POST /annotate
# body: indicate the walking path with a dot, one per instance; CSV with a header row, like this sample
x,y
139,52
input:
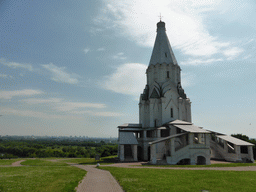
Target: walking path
x,y
103,181
17,163
97,180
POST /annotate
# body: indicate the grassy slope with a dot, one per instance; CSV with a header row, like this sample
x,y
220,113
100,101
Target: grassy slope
x,y
212,165
40,176
40,162
8,161
133,180
91,161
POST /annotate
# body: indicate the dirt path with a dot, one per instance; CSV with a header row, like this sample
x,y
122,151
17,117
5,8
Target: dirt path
x,y
17,163
97,180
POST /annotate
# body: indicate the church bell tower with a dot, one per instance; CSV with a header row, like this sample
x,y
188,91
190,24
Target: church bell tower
x,y
163,99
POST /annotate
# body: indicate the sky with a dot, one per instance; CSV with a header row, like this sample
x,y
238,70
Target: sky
x,y
77,68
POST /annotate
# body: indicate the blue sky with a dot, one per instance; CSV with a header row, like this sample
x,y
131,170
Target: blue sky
x,y
78,67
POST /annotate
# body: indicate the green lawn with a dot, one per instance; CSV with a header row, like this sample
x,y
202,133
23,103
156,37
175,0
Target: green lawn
x,y
40,176
212,165
8,161
40,162
91,161
162,180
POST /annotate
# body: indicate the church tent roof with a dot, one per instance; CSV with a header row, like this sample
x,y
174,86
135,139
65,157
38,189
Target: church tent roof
x,y
127,138
162,51
234,140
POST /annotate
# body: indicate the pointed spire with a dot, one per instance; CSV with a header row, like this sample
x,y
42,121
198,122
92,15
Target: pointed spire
x,y
162,51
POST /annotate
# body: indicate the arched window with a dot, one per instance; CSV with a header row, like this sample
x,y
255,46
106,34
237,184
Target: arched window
x,y
168,74
155,122
171,112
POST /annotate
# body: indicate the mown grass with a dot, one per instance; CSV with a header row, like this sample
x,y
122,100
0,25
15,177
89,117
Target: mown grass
x,y
91,161
161,180
41,176
212,165
40,162
8,161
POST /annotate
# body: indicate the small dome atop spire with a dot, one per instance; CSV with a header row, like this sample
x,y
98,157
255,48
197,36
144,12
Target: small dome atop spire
x,y
161,26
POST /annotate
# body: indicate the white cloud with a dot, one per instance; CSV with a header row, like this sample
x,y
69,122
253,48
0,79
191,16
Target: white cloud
x,y
185,22
59,74
70,106
4,76
200,61
19,93
99,114
42,101
64,106
101,49
119,56
233,52
36,114
128,79
86,50
15,65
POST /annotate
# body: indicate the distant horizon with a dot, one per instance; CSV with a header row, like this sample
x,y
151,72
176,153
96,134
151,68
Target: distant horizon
x,y
56,136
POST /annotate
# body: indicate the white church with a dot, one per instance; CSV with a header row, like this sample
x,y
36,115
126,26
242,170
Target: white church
x,y
165,133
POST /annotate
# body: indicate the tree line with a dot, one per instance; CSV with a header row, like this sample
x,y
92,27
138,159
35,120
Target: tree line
x,y
47,148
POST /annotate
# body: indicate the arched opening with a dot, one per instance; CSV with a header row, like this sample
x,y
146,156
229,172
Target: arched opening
x,y
184,162
139,153
201,160
149,154
127,151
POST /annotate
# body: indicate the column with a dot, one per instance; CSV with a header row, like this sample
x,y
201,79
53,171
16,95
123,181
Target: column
x,y
153,154
199,138
135,155
121,152
225,146
173,130
172,147
190,138
158,133
250,153
193,160
144,134
207,139
145,152
238,152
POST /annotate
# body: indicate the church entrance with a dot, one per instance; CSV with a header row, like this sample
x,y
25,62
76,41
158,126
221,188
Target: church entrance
x,y
139,153
127,151
201,160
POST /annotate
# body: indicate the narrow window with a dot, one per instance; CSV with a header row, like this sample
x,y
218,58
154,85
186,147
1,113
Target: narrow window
x,y
171,112
155,122
168,74
165,54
